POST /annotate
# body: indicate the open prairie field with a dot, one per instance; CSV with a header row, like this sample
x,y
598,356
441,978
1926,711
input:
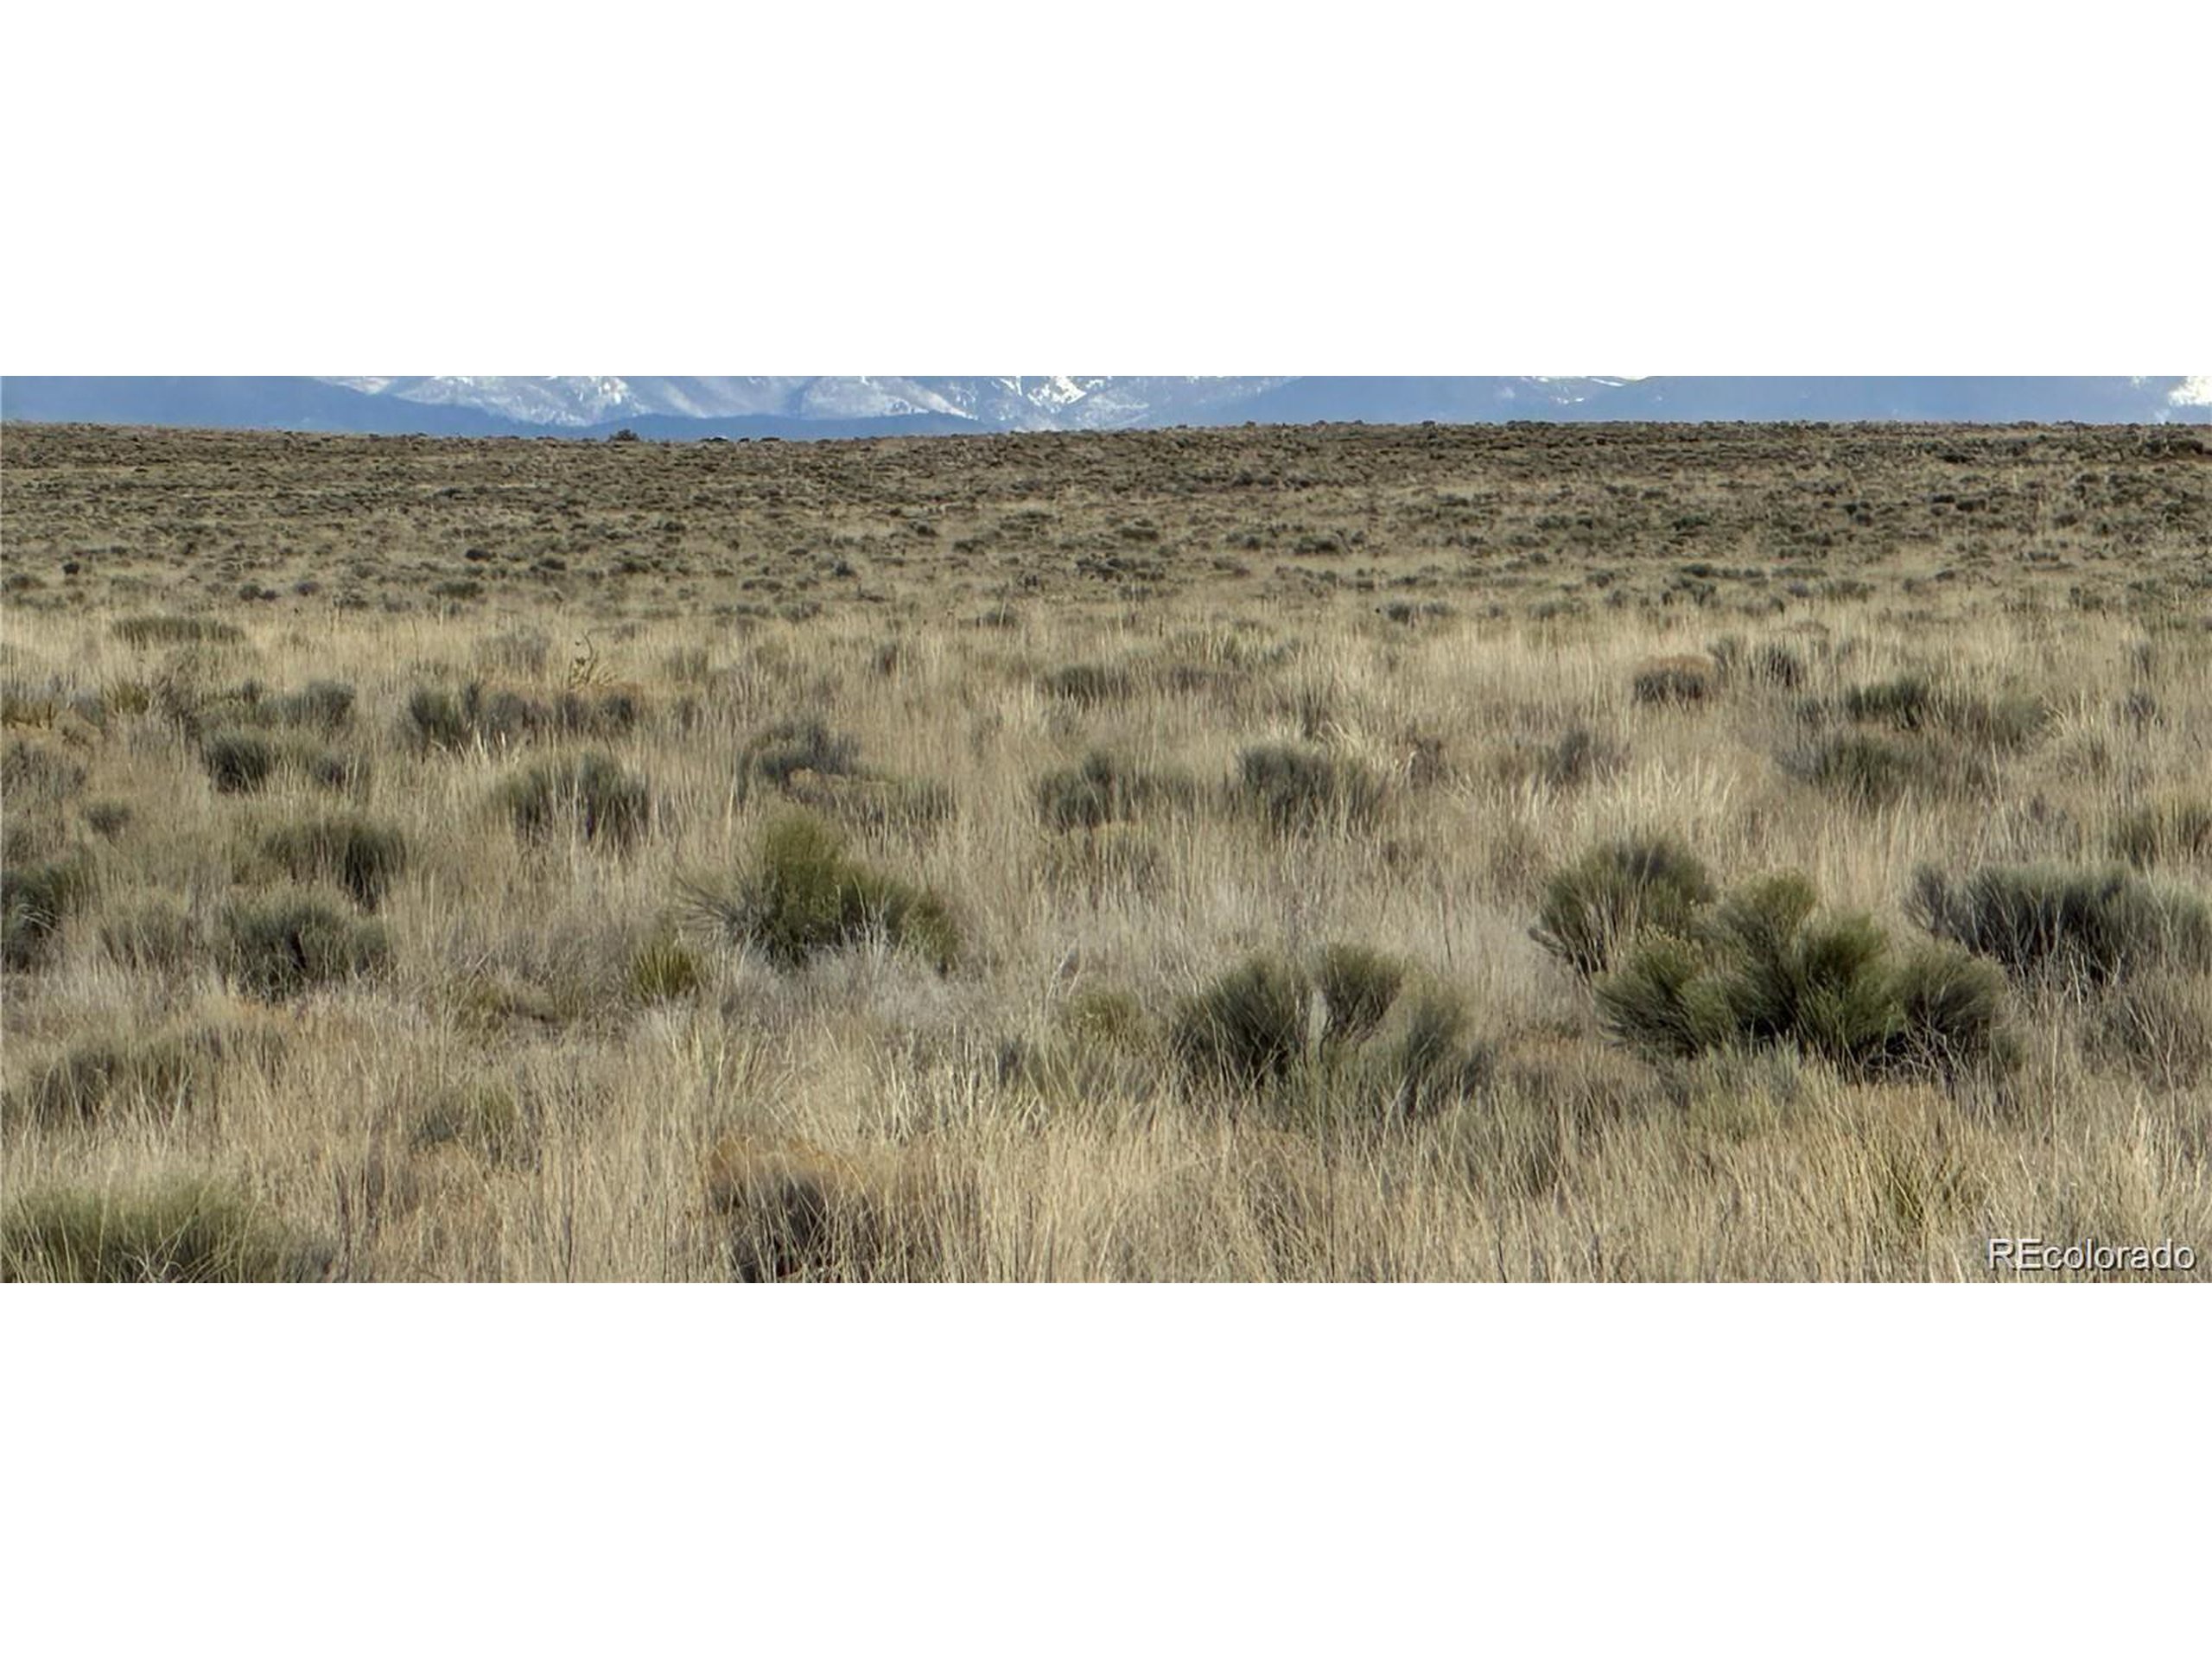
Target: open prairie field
x,y
1526,853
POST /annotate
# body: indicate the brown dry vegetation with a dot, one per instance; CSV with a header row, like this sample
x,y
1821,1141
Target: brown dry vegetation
x,y
923,858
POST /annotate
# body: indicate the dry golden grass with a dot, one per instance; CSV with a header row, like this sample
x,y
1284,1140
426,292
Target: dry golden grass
x,y
545,1048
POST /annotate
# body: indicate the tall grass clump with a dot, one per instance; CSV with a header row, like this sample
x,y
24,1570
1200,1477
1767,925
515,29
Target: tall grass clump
x,y
100,1076
1105,789
36,898
2165,832
1594,907
1294,787
1347,1032
589,794
185,1229
280,945
173,630
804,894
237,761
1868,770
2088,924
780,751
1913,703
1765,970
352,852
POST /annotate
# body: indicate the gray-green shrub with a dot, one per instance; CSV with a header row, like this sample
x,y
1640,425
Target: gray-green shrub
x,y
2090,924
280,945
1106,788
1346,1034
185,1229
355,853
1297,787
1594,907
589,794
1765,969
804,894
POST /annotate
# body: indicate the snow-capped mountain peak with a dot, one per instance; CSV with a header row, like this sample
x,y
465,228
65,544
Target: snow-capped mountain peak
x,y
991,401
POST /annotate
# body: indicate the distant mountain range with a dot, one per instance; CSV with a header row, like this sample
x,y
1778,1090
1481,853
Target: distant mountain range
x,y
823,406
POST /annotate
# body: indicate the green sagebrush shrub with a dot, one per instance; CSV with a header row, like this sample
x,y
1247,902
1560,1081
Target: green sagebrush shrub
x,y
1103,789
1594,907
1296,787
185,1229
804,894
1347,1032
1765,968
2091,924
281,944
352,852
588,794
36,899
